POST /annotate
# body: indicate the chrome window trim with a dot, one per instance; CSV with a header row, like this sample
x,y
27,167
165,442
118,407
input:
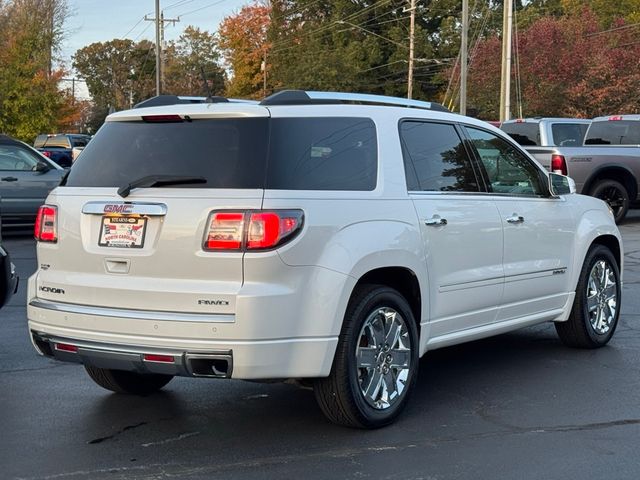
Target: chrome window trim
x,y
131,313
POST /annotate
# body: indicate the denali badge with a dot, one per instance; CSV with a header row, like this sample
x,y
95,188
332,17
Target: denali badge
x,y
51,290
118,208
213,302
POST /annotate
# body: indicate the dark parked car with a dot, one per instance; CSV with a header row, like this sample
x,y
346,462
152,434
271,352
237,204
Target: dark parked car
x,y
26,178
59,146
8,277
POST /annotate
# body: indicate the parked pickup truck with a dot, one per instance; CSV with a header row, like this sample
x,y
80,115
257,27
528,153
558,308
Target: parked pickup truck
x,y
607,166
547,132
60,147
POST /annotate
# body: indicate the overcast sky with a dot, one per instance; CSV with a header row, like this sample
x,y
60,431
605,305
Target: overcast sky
x,y
102,20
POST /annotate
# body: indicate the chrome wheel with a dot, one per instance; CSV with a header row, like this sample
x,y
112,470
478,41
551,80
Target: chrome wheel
x,y
383,358
602,297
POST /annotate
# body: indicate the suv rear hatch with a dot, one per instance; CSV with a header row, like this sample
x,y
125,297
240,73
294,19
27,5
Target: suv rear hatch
x,y
144,251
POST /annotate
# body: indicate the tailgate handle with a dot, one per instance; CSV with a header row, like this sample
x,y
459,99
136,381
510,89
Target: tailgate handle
x,y
117,265
125,208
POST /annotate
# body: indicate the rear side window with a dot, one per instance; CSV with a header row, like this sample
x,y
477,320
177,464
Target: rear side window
x,y
435,158
525,133
228,153
322,153
568,134
79,141
614,132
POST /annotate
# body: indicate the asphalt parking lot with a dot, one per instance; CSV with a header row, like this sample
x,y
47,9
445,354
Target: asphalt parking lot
x,y
519,405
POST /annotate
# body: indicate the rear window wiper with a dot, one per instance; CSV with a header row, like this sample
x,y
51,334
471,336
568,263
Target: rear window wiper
x,y
158,181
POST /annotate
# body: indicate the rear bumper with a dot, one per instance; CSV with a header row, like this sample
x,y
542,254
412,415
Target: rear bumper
x,y
282,358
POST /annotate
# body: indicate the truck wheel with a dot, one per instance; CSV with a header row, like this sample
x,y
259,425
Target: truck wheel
x,y
615,194
596,307
120,381
376,361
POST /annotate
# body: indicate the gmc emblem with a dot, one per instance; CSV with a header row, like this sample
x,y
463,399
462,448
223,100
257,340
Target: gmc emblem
x,y
123,208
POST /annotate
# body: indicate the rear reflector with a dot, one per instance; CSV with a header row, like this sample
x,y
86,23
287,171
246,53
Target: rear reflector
x,y
46,226
558,164
65,347
151,357
251,230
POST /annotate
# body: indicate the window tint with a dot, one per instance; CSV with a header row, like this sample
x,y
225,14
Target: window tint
x,y
79,141
614,132
59,141
568,134
16,158
525,133
435,158
322,154
228,153
508,171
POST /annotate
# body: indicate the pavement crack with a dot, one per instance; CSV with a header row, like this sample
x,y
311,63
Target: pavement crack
x,y
109,437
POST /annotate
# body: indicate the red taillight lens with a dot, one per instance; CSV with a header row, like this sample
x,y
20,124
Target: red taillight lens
x,y
226,231
269,229
264,229
46,227
46,154
558,164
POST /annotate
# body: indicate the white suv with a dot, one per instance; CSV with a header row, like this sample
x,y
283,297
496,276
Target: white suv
x,y
323,237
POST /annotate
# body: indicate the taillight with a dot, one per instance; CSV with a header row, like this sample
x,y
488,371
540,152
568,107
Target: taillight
x,y
46,227
46,154
225,231
251,230
162,118
558,164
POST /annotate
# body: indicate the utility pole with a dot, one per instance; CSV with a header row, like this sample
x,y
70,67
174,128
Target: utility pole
x,y
464,64
160,21
505,82
412,28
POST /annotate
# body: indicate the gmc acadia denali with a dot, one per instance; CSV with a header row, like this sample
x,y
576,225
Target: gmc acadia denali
x,y
323,237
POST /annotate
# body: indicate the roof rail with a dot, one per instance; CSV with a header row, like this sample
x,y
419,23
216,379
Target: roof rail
x,y
301,97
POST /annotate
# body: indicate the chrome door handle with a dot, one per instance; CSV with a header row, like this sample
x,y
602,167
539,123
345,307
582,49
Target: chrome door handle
x,y
435,221
515,218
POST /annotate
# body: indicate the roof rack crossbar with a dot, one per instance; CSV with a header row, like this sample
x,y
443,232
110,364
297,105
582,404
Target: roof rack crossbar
x,y
301,97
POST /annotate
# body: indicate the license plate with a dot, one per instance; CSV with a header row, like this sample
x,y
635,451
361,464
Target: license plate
x,y
123,232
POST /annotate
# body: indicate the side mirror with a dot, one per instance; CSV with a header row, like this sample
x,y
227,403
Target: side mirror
x,y
41,167
561,184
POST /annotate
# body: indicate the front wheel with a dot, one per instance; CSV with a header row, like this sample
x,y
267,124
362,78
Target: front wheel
x,y
596,307
615,194
376,361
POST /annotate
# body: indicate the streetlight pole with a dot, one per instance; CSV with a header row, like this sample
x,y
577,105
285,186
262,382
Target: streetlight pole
x,y
505,82
158,48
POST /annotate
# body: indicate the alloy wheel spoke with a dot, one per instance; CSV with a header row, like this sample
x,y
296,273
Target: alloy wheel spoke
x,y
373,387
367,357
400,359
393,333
610,291
390,384
592,303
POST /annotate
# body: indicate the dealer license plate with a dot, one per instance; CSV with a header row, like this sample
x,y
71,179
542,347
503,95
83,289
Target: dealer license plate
x,y
123,232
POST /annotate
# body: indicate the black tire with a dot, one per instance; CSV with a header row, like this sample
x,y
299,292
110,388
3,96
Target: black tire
x,y
578,331
339,395
120,381
615,194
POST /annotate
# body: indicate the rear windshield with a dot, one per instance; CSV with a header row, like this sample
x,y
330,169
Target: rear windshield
x,y
614,132
526,134
568,134
58,141
283,153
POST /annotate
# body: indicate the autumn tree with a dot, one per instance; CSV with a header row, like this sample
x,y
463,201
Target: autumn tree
x,y
193,55
30,101
243,41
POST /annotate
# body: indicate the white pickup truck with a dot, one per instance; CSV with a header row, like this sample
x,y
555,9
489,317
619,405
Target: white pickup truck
x,y
605,166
